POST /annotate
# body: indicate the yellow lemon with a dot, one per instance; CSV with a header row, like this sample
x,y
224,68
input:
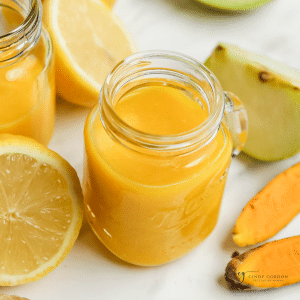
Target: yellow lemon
x,y
40,209
89,41
109,3
7,297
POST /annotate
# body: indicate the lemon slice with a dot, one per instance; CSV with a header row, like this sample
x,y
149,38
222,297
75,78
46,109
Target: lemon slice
x,y
40,209
7,297
89,41
109,3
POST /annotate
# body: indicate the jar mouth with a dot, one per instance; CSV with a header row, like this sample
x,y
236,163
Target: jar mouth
x,y
140,64
22,38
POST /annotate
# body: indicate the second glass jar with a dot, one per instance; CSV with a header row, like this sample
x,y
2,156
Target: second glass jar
x,y
26,71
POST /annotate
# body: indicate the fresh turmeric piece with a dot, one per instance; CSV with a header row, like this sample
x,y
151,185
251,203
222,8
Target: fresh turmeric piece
x,y
271,265
270,210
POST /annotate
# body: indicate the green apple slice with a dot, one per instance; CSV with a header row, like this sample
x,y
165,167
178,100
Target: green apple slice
x,y
270,92
237,5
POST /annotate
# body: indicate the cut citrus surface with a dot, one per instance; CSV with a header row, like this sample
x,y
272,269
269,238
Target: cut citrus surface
x,y
40,209
89,41
109,3
7,297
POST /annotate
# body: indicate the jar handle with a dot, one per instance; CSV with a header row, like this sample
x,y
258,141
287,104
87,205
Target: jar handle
x,y
235,118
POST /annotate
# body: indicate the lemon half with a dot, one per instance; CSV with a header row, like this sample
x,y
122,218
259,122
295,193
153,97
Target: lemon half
x,y
7,297
89,40
40,209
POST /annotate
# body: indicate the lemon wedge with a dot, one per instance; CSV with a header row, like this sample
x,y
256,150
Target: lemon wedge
x,y
89,41
40,209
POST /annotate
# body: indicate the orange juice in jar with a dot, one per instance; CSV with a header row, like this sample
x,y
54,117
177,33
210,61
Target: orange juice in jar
x,y
157,153
27,98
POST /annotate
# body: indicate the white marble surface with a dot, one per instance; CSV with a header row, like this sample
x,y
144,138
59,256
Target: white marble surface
x,y
90,271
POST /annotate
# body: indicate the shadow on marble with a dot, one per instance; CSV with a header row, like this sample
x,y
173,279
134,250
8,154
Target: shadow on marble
x,y
67,109
226,286
229,245
252,163
223,283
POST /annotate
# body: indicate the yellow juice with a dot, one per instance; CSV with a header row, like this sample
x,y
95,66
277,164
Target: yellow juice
x,y
27,85
151,209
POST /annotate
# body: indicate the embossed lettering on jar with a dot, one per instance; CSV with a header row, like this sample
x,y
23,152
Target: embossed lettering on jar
x,y
157,153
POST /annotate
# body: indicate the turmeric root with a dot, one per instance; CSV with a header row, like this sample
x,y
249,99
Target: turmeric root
x,y
271,265
270,210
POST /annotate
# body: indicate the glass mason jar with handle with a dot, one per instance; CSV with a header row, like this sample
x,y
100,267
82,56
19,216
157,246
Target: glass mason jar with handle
x,y
152,197
27,98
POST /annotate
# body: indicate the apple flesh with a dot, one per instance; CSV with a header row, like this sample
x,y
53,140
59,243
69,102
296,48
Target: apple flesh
x,y
270,92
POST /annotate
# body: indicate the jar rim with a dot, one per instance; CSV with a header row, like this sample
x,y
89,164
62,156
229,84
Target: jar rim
x,y
201,134
29,29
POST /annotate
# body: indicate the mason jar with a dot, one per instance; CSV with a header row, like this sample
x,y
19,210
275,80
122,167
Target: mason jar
x,y
151,198
27,98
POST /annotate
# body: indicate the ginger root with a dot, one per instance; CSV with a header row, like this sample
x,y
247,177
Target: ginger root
x,y
271,265
270,210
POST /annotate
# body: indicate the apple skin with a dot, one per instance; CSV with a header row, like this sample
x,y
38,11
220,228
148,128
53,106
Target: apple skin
x,y
235,5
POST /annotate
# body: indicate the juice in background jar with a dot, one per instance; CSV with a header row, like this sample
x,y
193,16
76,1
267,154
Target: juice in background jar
x,y
27,98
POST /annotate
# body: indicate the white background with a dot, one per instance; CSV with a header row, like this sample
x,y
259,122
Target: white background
x,y
90,271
